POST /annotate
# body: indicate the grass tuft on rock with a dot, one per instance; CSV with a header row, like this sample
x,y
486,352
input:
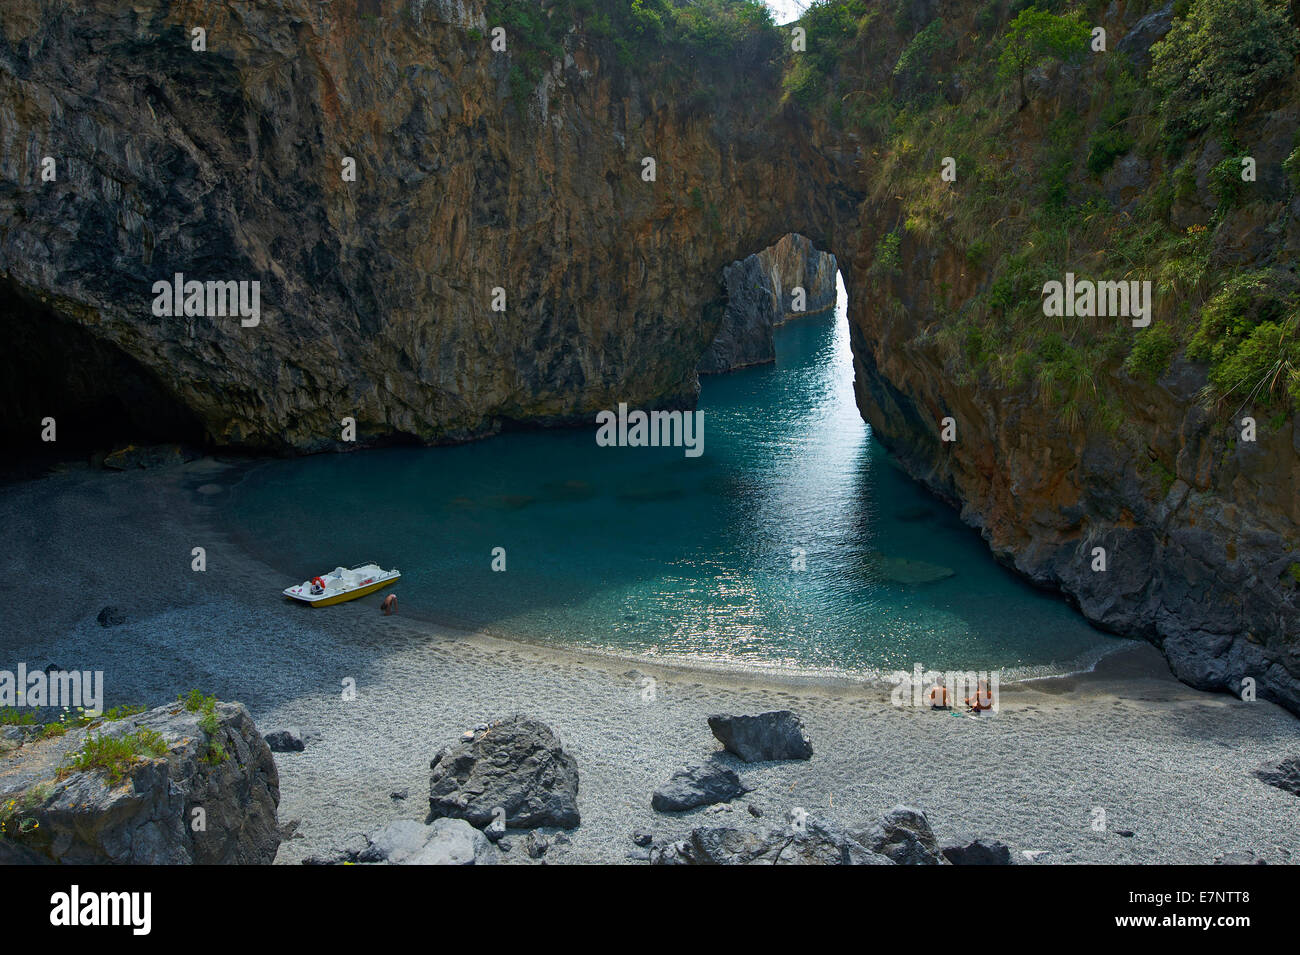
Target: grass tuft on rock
x,y
115,756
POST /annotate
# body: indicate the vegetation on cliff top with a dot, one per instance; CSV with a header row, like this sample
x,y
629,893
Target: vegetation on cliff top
x,y
640,31
1117,173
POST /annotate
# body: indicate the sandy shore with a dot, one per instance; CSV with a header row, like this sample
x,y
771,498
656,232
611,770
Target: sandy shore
x,y
1168,763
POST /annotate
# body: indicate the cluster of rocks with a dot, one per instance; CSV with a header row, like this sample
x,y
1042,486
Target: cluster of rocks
x,y
510,774
770,736
902,836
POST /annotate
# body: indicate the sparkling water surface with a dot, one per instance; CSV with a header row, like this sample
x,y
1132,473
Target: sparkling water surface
x,y
646,551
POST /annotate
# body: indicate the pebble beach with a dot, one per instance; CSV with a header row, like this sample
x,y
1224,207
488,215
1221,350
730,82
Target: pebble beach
x,y
1171,767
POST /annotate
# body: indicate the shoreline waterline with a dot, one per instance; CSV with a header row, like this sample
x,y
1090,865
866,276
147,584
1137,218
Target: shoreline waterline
x,y
778,674
1126,735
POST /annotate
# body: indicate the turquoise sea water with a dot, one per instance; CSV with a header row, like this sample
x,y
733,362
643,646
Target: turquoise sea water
x,y
648,551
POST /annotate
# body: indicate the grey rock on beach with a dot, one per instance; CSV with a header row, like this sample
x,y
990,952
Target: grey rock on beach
x,y
146,818
904,835
697,786
441,842
815,842
411,842
285,741
968,851
516,764
778,734
111,617
1282,773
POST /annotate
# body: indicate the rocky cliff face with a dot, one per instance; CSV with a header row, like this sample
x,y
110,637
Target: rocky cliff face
x,y
377,295
1200,530
489,264
206,799
762,292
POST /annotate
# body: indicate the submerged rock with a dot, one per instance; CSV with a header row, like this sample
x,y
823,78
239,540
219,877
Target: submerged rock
x,y
536,845
697,786
903,570
147,817
516,765
152,456
778,734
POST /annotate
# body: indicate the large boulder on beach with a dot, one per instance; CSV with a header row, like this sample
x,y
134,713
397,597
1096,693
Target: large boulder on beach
x,y
904,835
697,786
778,734
176,775
813,842
412,842
285,741
516,765
441,842
1282,773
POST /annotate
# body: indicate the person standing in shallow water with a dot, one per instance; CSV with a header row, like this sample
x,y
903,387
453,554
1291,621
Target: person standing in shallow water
x,y
389,606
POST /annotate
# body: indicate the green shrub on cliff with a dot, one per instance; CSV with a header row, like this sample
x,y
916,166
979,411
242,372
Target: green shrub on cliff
x,y
1264,369
1228,318
1248,336
1036,36
206,706
1152,349
830,27
888,252
1217,61
1291,166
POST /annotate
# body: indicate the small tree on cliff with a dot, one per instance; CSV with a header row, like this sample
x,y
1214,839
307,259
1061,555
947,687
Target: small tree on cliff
x,y
1035,36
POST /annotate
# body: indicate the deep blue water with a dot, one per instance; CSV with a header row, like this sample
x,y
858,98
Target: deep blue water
x,y
648,551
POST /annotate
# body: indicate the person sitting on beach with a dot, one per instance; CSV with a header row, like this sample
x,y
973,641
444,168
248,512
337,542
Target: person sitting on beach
x,y
982,700
389,605
937,696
